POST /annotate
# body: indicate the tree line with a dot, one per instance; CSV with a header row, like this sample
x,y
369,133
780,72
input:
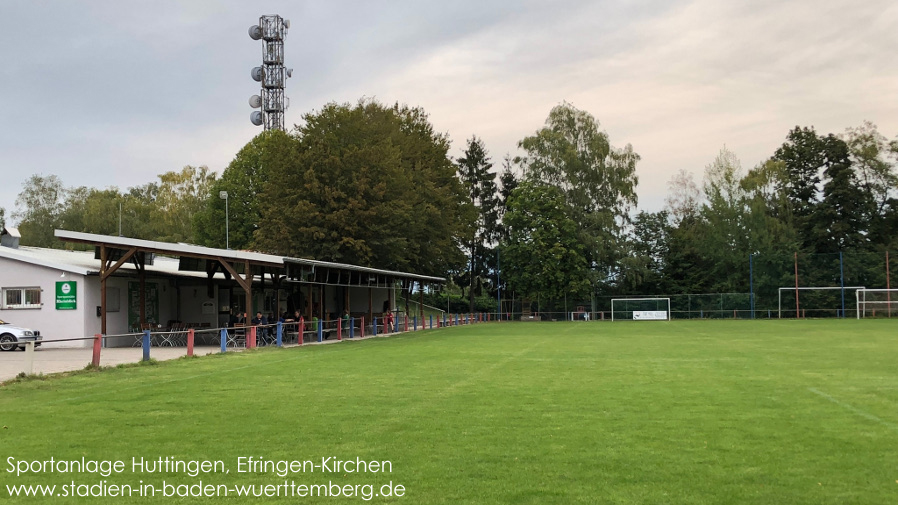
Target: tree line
x,y
373,185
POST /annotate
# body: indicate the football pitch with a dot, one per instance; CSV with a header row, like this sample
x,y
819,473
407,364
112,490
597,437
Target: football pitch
x,y
682,412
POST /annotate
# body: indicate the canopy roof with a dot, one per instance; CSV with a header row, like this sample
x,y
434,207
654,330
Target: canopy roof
x,y
194,258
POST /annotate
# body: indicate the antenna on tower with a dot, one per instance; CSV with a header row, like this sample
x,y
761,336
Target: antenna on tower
x,y
272,74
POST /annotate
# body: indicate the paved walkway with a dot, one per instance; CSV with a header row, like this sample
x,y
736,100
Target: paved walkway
x,y
49,360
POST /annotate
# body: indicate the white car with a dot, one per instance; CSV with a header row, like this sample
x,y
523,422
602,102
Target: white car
x,y
13,337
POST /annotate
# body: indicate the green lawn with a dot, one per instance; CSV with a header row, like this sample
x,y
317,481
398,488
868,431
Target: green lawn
x,y
714,412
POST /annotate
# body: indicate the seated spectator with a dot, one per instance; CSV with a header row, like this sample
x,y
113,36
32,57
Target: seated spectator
x,y
263,331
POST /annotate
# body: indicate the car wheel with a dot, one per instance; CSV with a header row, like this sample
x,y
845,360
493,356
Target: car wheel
x,y
7,342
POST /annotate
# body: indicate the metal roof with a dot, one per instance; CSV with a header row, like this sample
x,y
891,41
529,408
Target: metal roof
x,y
168,248
67,261
344,266
84,263
173,249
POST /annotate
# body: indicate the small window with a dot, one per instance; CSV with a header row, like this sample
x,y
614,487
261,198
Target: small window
x,y
21,298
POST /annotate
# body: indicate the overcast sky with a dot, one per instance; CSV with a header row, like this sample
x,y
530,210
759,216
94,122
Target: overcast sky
x,y
115,93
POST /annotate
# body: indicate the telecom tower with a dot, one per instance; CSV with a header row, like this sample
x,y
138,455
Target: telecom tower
x,y
272,74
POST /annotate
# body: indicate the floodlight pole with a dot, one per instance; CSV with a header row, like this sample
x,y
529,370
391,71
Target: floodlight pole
x,y
751,284
842,281
224,196
888,285
498,286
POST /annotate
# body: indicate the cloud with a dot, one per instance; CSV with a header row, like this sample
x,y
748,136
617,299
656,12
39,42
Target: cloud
x,y
117,93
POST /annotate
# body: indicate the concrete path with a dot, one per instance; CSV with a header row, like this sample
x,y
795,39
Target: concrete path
x,y
50,360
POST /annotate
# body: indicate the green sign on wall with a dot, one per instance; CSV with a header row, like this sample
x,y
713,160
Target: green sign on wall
x,y
66,295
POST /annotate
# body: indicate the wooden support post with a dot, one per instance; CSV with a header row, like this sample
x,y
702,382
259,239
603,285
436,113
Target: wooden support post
x,y
421,302
142,280
245,282
105,272
103,291
190,336
309,303
248,287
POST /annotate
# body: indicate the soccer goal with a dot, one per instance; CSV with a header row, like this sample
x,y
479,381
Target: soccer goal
x,y
640,309
818,300
876,302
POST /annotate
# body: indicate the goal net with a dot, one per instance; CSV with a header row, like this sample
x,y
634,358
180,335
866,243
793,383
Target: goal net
x,y
640,309
876,302
816,301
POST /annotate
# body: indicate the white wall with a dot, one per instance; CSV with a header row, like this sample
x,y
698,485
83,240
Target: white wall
x,y
188,308
51,323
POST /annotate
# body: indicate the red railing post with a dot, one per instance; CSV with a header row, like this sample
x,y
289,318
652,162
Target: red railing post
x,y
251,338
339,329
362,327
190,335
95,359
302,330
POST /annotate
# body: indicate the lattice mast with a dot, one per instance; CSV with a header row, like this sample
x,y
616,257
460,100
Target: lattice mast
x,y
272,74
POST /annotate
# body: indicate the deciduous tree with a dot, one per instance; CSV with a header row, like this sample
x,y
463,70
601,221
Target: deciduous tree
x,y
370,185
39,208
842,219
244,180
544,255
180,197
597,180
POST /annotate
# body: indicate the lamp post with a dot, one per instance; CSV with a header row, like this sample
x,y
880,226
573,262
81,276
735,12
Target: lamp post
x,y
224,196
498,285
751,284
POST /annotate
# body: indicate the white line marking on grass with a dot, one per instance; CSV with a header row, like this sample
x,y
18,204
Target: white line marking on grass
x,y
402,414
865,415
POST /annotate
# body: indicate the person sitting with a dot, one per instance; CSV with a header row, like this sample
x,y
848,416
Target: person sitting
x,y
262,330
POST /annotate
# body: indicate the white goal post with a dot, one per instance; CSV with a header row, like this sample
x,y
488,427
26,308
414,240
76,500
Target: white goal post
x,y
642,309
808,288
875,299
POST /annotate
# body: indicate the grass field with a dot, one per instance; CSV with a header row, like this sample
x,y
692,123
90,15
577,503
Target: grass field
x,y
713,412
